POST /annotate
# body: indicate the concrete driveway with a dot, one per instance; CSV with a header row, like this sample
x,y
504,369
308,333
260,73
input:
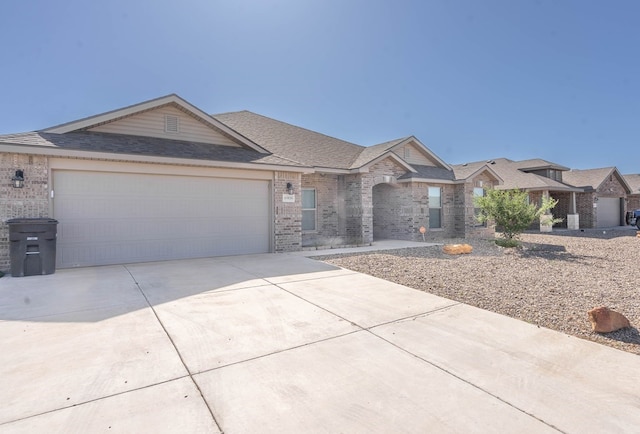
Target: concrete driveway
x,y
283,343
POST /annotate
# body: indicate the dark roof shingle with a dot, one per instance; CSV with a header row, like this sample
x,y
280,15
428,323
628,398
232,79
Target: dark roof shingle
x,y
143,146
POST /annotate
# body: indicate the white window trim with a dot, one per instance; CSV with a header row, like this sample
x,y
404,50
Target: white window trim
x,y
441,227
314,209
475,215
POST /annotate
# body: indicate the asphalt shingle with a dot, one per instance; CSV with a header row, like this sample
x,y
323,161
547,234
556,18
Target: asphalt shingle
x,y
512,175
589,179
306,147
144,146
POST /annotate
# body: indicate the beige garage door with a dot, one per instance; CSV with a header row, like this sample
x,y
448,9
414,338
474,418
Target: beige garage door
x,y
608,212
115,218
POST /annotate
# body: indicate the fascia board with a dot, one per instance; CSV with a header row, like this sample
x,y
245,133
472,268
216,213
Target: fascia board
x,y
149,105
388,154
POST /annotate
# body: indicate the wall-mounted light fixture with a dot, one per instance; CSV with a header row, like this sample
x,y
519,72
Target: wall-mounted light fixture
x,y
289,188
18,179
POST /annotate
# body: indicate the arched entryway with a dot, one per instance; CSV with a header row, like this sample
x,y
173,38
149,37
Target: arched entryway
x,y
387,212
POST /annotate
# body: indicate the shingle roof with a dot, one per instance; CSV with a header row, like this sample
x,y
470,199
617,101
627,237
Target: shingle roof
x,y
634,182
142,146
430,172
590,178
370,153
463,171
304,146
537,163
512,176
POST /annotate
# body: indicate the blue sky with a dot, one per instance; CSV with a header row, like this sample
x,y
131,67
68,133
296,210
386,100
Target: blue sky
x,y
471,79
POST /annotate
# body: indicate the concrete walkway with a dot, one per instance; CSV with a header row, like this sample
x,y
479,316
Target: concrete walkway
x,y
283,343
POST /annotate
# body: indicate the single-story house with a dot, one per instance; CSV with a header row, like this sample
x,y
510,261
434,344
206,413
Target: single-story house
x,y
164,180
591,198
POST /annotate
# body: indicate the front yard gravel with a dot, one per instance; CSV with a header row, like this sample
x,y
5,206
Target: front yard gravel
x,y
552,281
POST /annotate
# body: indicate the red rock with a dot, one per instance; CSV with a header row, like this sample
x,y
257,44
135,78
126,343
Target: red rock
x,y
605,320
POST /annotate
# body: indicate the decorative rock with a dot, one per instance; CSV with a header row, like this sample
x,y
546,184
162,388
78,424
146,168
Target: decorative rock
x,y
605,320
457,249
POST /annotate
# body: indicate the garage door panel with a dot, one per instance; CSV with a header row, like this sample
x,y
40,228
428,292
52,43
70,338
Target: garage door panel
x,y
608,212
140,217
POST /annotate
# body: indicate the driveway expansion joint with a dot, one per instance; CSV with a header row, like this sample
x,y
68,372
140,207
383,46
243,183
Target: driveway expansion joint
x,y
469,382
176,349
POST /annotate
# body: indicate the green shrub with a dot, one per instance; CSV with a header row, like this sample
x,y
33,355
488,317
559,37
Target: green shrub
x,y
510,243
511,210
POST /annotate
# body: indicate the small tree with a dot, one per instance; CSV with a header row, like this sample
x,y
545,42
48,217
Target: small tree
x,y
510,210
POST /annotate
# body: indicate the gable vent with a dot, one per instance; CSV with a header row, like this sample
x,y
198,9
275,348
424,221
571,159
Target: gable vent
x,y
171,124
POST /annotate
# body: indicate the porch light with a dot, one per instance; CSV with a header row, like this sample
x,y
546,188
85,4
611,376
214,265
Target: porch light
x,y
289,188
18,179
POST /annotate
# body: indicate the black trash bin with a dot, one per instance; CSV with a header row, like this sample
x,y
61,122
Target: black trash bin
x,y
32,247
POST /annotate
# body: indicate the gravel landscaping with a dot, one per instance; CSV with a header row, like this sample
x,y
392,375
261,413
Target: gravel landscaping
x,y
552,281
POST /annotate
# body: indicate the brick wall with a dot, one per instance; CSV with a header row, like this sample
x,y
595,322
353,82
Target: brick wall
x,y
287,216
399,210
30,201
562,208
328,210
381,219
611,187
586,211
466,224
634,202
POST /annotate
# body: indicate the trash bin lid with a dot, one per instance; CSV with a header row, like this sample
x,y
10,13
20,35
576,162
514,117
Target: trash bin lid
x,y
36,220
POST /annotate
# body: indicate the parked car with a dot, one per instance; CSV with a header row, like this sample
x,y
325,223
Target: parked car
x,y
633,218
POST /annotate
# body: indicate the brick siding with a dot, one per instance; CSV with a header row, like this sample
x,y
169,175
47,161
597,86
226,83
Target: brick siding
x,y
30,201
287,216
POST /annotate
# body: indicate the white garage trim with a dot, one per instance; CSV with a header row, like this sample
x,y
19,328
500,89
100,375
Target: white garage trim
x,y
163,169
121,217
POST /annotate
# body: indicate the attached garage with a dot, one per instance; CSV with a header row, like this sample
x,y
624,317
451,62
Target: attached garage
x,y
608,212
114,218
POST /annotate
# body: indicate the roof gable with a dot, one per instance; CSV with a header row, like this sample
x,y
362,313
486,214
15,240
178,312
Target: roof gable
x,y
155,123
633,180
148,119
422,156
592,179
414,152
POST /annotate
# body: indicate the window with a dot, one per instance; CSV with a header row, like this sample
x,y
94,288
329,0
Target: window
x,y
556,175
435,207
477,192
308,209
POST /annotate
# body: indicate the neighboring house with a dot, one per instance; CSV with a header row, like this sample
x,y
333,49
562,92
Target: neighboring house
x,y
603,202
164,180
586,198
633,198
